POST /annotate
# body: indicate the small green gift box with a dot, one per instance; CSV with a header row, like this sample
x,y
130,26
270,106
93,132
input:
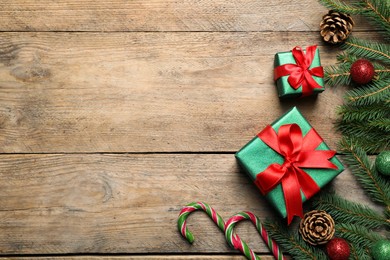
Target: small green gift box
x,y
298,73
289,162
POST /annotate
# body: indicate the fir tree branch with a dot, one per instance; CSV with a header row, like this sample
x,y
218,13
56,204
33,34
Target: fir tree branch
x,y
376,10
379,12
356,254
374,92
372,143
382,71
375,186
369,94
374,7
360,238
292,243
366,49
358,234
368,125
337,75
363,114
353,8
346,57
382,124
344,211
369,130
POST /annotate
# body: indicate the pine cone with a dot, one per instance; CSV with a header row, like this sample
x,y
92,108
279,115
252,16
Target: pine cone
x,y
335,27
317,227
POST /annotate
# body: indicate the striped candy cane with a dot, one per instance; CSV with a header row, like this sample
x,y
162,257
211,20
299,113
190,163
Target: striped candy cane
x,y
182,221
235,241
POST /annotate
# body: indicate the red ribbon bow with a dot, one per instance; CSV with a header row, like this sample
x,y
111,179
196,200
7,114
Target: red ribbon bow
x,y
300,74
298,152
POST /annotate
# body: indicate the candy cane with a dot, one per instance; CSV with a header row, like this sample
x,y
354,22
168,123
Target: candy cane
x,y
235,241
182,223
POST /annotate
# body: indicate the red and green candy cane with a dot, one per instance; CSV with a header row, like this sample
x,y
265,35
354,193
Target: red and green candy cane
x,y
235,241
182,222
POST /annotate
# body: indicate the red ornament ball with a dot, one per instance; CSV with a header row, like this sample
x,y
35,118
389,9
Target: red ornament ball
x,y
338,249
362,71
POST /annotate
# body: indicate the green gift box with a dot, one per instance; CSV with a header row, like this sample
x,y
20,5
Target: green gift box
x,y
257,157
298,73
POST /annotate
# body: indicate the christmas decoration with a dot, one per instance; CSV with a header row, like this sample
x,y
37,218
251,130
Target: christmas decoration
x,y
298,73
381,250
185,212
338,249
317,227
235,241
364,125
364,116
362,71
382,163
300,162
336,27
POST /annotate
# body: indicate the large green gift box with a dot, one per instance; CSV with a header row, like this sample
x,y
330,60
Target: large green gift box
x,y
298,73
314,161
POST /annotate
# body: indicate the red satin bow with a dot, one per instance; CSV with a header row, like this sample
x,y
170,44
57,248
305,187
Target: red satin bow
x,y
300,74
298,152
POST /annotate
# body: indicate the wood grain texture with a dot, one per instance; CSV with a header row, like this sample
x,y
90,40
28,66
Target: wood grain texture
x,y
114,114
55,204
147,92
162,15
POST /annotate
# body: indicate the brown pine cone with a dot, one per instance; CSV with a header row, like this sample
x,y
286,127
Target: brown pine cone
x,y
317,227
336,27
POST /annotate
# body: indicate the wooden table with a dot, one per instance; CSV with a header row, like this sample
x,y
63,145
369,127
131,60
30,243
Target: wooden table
x,y
114,114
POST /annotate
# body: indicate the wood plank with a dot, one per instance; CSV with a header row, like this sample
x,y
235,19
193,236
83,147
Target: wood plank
x,y
109,203
147,92
162,15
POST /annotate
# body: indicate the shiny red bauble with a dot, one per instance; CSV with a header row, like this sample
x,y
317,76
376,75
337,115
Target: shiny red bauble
x,y
362,71
338,249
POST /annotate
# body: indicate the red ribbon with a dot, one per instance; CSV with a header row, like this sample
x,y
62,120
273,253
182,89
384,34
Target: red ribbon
x,y
300,74
298,152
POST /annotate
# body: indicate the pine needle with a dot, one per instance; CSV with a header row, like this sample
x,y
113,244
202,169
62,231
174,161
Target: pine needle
x,y
367,49
379,12
337,75
344,211
377,188
339,6
363,114
346,57
368,125
374,92
382,124
359,237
